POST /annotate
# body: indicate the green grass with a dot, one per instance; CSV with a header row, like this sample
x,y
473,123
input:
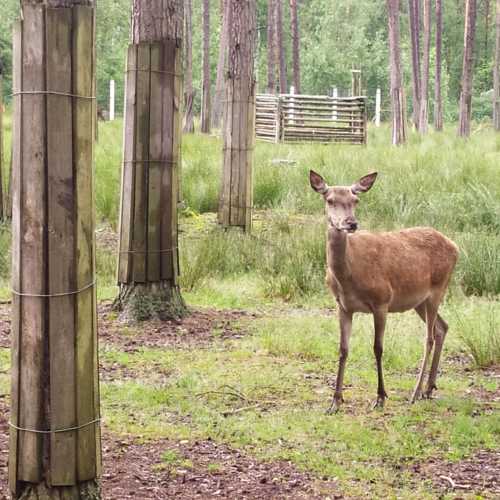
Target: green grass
x,y
266,393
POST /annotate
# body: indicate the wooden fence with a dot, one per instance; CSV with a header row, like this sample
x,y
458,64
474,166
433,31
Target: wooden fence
x,y
293,118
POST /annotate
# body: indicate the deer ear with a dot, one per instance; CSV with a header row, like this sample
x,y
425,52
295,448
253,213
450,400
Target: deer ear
x,y
317,182
364,184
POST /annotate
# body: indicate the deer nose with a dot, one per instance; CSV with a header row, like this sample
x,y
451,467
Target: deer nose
x,y
353,226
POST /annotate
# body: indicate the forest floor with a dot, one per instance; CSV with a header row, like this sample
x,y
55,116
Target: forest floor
x,y
211,406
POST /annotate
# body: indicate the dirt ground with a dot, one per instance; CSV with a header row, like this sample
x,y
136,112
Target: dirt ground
x,y
205,469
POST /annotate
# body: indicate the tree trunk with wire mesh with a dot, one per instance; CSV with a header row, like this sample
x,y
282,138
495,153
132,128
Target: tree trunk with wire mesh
x,y
235,204
397,91
54,438
271,47
148,265
465,110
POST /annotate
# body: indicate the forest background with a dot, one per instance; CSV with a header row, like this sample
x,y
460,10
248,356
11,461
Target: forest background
x,y
335,36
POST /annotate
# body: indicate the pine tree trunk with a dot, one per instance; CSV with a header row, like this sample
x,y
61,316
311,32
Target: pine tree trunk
x,y
54,372
397,91
206,98
414,11
294,19
496,73
438,99
271,47
235,204
424,95
465,110
188,72
281,47
219,83
148,266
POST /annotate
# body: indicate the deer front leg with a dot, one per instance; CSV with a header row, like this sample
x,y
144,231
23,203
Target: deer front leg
x,y
345,333
379,317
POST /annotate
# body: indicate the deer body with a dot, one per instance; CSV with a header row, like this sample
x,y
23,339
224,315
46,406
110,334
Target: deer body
x,y
381,273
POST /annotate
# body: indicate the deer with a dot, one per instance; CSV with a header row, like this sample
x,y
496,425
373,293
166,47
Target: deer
x,y
380,273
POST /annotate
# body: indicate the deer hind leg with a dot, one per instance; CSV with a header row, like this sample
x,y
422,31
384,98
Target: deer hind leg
x,y
379,317
345,333
440,330
430,311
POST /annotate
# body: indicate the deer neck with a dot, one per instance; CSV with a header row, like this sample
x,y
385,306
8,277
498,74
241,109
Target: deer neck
x,y
337,254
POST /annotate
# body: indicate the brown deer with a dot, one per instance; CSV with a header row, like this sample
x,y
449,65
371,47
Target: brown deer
x,y
380,273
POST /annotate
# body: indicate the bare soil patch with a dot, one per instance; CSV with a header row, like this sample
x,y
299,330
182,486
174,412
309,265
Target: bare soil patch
x,y
199,329
478,474
204,470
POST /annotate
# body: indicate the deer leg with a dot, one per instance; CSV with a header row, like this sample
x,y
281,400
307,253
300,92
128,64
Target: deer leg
x,y
430,315
379,317
440,330
345,333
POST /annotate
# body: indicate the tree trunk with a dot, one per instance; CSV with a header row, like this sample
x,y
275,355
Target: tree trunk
x,y
54,437
205,98
281,47
424,96
219,83
271,47
148,261
235,205
294,19
438,99
496,73
397,91
465,110
414,11
188,73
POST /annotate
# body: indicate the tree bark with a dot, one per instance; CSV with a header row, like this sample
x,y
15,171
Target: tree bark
x,y
294,19
271,47
206,97
414,11
424,96
281,47
219,83
148,258
235,205
438,99
465,110
397,91
496,73
188,72
54,374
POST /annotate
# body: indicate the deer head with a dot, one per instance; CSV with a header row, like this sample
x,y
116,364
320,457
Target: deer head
x,y
341,200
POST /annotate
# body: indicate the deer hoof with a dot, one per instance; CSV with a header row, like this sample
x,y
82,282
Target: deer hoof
x,y
416,396
378,404
334,407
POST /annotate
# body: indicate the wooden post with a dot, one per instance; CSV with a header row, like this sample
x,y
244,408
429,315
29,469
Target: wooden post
x,y
378,106
55,437
292,106
111,100
148,264
355,82
235,204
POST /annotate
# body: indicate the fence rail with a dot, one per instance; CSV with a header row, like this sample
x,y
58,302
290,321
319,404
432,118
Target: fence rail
x,y
293,118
